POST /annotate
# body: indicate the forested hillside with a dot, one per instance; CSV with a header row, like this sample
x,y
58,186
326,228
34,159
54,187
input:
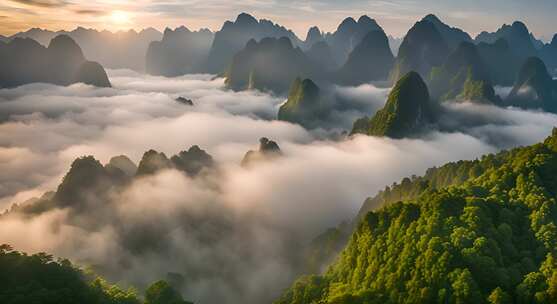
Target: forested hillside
x,y
489,238
39,278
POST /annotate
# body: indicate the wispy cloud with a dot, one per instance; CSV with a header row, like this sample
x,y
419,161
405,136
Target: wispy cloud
x,y
42,3
91,12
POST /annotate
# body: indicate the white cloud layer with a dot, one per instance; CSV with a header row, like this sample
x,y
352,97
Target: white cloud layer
x,y
318,183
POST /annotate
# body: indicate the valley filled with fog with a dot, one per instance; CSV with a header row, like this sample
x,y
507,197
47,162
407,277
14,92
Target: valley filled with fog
x,y
321,179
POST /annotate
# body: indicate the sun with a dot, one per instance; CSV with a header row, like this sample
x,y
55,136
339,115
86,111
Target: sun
x,y
120,17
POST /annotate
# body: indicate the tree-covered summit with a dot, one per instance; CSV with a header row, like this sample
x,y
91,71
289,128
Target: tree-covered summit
x,y
407,111
489,238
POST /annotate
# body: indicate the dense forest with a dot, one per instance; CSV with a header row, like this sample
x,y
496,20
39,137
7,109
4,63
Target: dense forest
x,y
39,278
471,232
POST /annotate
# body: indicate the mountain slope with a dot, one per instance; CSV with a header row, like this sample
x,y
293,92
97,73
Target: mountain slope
x,y
452,35
269,65
304,105
503,64
233,36
407,111
490,239
422,49
549,55
39,278
534,88
180,52
24,61
348,35
114,50
464,76
517,36
371,60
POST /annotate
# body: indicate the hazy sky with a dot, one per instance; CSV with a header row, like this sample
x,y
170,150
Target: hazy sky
x,y
396,16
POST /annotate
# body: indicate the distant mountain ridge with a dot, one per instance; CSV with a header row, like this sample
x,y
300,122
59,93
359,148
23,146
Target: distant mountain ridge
x,y
23,61
534,87
422,49
269,65
348,35
370,61
180,52
464,76
234,35
111,49
452,35
517,35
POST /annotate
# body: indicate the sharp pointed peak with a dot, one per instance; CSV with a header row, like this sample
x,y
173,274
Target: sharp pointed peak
x,y
365,18
245,18
347,21
432,18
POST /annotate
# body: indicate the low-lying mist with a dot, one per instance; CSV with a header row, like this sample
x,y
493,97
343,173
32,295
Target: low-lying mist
x,y
229,234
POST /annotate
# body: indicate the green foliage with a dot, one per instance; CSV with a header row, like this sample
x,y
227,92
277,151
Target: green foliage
x,y
534,88
477,90
407,109
304,105
463,77
268,65
39,279
162,293
422,49
481,231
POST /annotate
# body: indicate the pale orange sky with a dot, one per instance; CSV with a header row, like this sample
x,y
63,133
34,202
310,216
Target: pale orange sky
x,y
395,16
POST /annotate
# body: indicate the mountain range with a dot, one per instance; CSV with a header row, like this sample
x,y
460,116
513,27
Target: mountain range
x,y
180,52
23,61
340,55
112,50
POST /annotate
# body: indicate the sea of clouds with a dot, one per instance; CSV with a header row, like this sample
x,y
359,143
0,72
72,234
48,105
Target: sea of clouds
x,y
321,180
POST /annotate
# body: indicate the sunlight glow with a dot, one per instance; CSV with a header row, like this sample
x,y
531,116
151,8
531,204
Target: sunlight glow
x,y
120,17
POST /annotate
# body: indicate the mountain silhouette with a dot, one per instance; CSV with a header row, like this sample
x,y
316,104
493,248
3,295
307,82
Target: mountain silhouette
x,y
233,36
534,88
371,60
348,35
452,35
180,52
464,76
24,61
518,37
304,105
422,49
115,50
269,65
